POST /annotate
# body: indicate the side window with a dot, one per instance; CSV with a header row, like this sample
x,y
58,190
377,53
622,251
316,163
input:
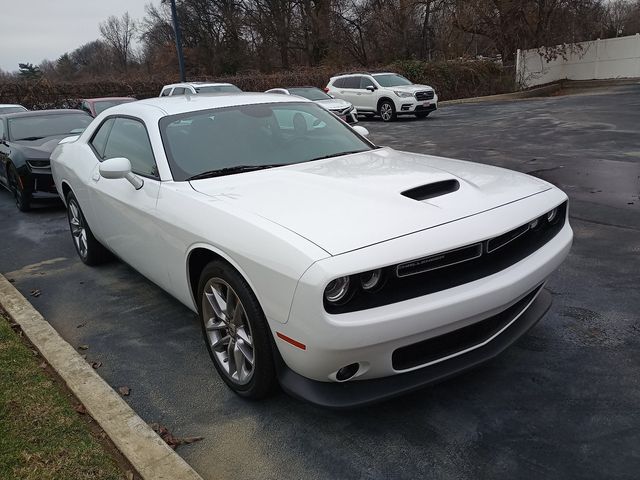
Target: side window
x,y
178,91
85,106
99,140
129,139
366,82
339,83
352,82
2,130
166,92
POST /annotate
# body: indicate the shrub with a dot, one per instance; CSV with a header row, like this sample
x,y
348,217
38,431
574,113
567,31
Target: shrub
x,y
452,79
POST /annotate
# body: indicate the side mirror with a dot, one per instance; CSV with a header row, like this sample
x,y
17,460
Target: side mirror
x,y
361,130
120,167
371,88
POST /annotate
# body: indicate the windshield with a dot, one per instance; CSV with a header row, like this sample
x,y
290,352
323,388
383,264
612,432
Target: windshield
x,y
254,135
218,89
310,93
103,105
40,126
12,109
391,80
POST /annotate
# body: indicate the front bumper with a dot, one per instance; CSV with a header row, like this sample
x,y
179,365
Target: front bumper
x,y
373,337
411,105
354,394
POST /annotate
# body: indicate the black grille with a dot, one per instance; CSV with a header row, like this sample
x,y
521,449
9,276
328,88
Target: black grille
x,y
453,342
496,255
428,95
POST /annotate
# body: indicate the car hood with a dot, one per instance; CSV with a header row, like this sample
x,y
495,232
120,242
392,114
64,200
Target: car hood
x,y
411,88
333,104
345,203
39,149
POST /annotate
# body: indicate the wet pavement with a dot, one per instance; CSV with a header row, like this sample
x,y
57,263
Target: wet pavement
x,y
563,402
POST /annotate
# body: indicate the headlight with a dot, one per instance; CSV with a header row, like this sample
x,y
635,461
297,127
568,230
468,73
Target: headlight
x,y
403,94
370,280
552,216
38,163
337,290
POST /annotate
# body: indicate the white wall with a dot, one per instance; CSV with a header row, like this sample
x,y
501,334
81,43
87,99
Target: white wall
x,y
598,59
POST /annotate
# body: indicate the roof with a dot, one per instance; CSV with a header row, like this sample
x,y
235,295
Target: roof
x,y
106,99
39,113
7,105
197,84
204,101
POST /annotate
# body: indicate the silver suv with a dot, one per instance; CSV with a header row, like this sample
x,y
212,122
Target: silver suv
x,y
386,94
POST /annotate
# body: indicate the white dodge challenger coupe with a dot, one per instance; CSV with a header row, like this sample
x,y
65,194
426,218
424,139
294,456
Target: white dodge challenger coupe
x,y
347,272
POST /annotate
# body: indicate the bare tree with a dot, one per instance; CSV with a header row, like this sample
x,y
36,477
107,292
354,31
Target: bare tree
x,y
118,33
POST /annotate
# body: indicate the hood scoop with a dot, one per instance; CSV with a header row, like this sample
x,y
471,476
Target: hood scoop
x,y
432,190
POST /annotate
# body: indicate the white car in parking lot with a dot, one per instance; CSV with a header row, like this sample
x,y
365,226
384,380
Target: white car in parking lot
x,y
194,88
385,94
341,108
347,272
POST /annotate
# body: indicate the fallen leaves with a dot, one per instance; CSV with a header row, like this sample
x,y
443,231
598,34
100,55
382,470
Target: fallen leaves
x,y
35,292
83,347
81,325
169,439
96,365
124,391
80,409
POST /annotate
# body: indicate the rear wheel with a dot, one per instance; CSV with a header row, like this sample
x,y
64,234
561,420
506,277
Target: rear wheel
x,y
90,250
387,111
21,196
236,332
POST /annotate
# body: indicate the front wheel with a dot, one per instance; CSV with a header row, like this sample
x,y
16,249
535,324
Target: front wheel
x,y
21,196
90,250
236,332
387,111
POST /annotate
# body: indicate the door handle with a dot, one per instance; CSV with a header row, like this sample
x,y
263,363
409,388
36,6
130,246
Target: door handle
x,y
95,176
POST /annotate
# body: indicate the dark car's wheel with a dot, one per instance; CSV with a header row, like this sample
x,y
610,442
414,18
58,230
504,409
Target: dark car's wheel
x,y
90,250
387,111
236,332
422,114
20,194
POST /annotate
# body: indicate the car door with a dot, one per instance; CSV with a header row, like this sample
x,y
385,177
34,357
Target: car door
x,y
367,96
124,216
350,88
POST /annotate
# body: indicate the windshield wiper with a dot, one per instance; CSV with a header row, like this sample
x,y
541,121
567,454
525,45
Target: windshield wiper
x,y
29,139
339,154
231,170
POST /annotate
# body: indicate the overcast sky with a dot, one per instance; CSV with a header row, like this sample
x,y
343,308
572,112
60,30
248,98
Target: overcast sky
x,y
34,30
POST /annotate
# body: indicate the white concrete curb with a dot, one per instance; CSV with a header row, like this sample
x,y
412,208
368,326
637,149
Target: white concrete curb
x,y
151,457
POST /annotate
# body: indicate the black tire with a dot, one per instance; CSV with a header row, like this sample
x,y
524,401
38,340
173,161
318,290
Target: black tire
x,y
263,377
387,111
21,196
95,253
422,114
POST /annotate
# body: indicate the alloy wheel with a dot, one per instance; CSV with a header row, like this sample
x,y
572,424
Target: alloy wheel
x,y
228,331
78,229
386,112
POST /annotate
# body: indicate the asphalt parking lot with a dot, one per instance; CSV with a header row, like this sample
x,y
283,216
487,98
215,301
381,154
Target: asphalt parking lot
x,y
563,402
